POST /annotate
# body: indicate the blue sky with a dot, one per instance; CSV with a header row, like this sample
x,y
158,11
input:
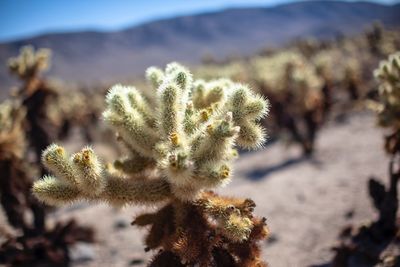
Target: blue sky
x,y
23,18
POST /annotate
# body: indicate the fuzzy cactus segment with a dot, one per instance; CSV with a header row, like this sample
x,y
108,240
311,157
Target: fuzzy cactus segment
x,y
189,137
83,177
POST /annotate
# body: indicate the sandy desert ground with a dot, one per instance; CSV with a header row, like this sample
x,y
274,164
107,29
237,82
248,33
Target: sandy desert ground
x,y
306,201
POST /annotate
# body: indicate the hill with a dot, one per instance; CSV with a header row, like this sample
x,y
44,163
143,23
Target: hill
x,y
98,56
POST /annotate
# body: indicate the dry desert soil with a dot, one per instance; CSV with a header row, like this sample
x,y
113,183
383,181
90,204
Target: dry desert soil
x,y
306,201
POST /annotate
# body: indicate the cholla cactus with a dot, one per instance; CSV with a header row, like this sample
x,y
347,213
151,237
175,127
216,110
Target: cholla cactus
x,y
235,70
177,150
12,137
12,151
388,107
77,108
18,203
29,63
288,70
374,37
292,74
35,94
371,243
388,111
294,88
352,78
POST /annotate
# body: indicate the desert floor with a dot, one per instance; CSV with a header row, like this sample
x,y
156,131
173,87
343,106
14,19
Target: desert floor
x,y
306,201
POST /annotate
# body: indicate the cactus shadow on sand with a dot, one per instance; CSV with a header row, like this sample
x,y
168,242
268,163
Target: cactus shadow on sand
x,y
262,173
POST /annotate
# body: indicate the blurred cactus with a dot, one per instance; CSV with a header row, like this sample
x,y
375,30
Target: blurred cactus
x,y
233,70
324,64
22,124
388,111
12,137
77,109
177,150
294,88
35,244
371,243
28,64
303,80
289,64
13,168
374,38
35,93
388,104
15,183
352,79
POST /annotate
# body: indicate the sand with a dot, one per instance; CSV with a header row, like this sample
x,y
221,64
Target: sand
x,y
306,201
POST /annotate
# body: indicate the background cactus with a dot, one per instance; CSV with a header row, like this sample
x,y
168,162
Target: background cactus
x,y
29,64
295,89
33,242
388,104
388,112
35,93
371,244
176,152
310,81
14,169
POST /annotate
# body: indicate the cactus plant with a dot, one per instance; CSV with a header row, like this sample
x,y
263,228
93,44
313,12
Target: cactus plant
x,y
177,152
388,105
22,128
35,94
12,149
29,64
292,85
77,108
33,244
374,37
371,244
388,112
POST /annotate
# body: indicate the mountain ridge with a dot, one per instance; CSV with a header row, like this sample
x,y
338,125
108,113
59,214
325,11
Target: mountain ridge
x,y
91,56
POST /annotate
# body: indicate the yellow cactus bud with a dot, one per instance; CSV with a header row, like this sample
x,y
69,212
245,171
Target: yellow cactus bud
x,y
205,115
174,137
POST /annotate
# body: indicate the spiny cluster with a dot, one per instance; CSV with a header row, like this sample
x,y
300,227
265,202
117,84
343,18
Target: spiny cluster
x,y
29,63
181,147
388,106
